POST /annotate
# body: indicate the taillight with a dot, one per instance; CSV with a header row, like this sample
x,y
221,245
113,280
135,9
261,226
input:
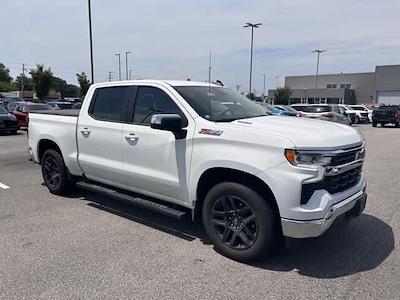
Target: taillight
x,y
329,115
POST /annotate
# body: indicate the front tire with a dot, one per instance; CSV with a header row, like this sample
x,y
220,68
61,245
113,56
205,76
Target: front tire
x,y
239,222
54,172
374,124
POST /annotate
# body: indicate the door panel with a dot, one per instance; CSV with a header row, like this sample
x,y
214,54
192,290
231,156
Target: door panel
x,y
99,134
100,149
154,161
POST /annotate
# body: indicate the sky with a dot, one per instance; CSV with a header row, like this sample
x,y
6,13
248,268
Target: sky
x,y
172,39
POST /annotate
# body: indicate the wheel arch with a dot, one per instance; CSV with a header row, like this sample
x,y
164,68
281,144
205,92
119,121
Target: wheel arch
x,y
45,144
213,176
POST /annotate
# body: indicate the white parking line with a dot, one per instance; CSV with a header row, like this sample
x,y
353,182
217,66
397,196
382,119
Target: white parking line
x,y
3,186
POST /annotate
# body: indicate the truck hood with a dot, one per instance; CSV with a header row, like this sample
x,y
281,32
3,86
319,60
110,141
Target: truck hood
x,y
304,133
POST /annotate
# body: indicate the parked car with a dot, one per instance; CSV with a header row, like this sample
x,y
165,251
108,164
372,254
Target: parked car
x,y
386,114
8,100
76,105
12,105
21,111
205,151
60,104
288,110
324,112
8,123
356,116
363,108
275,111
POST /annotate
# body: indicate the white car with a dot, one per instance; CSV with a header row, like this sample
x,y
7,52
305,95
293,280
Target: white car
x,y
363,108
357,116
191,148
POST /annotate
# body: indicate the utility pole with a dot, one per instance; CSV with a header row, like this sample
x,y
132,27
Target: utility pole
x,y
119,65
209,68
91,41
316,75
130,74
257,25
22,81
126,63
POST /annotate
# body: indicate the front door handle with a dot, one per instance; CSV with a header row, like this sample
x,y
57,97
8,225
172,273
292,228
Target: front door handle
x,y
131,138
85,132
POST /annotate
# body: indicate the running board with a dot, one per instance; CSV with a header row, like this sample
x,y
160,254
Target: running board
x,y
139,202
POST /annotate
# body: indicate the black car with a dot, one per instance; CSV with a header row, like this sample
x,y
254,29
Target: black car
x,y
386,114
8,123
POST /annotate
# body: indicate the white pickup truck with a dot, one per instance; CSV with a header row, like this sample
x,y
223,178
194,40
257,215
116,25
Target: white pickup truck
x,y
203,150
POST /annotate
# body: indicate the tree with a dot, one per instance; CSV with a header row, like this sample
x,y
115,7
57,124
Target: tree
x,y
5,74
84,83
59,85
71,90
6,87
28,83
282,95
42,80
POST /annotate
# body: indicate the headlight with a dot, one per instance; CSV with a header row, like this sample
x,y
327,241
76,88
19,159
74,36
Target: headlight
x,y
302,159
12,117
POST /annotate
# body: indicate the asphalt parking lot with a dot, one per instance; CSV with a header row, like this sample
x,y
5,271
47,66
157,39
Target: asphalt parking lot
x,y
86,246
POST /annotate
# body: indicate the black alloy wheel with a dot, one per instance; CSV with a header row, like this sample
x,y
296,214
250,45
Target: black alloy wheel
x,y
51,172
234,222
55,173
241,223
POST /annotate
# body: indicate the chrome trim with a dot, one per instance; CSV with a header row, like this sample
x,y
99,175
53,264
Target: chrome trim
x,y
336,170
332,152
314,228
345,148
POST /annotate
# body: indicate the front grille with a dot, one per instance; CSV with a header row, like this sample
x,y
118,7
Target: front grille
x,y
343,181
345,157
332,184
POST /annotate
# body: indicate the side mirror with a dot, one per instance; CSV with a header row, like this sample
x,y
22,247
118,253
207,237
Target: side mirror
x,y
168,122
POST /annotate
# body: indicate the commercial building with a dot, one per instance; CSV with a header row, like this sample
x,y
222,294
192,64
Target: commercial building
x,y
381,86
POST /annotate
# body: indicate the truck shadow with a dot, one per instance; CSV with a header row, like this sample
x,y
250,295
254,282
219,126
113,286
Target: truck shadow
x,y
349,247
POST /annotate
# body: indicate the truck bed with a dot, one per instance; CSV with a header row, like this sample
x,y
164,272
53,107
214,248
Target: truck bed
x,y
60,112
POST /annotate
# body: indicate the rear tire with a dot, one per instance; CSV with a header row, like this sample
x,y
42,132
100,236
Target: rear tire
x,y
356,120
383,124
54,172
374,124
239,222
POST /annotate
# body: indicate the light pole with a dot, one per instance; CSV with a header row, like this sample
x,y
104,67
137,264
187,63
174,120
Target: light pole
x,y
126,63
316,76
257,25
91,41
119,65
130,74
264,87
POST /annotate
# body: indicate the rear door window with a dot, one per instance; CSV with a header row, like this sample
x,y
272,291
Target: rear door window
x,y
110,104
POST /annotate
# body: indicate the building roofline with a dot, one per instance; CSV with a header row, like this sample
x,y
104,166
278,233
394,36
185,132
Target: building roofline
x,y
332,74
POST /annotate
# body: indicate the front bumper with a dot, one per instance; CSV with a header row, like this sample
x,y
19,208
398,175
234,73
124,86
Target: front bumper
x,y
353,206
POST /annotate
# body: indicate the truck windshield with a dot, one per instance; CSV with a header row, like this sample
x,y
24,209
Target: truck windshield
x,y
220,104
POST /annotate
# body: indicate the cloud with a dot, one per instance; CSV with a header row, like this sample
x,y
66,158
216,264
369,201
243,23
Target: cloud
x,y
172,39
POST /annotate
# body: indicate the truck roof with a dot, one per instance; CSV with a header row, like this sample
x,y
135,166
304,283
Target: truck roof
x,y
169,82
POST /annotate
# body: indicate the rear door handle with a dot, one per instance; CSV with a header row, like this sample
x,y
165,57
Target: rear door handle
x,y
85,132
131,138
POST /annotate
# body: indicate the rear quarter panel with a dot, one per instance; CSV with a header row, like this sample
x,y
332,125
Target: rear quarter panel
x,y
59,129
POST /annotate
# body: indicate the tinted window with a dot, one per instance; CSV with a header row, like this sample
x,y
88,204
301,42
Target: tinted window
x,y
300,107
318,109
151,100
110,104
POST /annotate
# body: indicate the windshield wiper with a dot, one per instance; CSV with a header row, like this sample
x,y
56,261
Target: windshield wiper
x,y
234,119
